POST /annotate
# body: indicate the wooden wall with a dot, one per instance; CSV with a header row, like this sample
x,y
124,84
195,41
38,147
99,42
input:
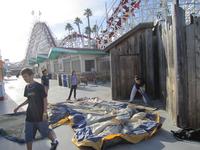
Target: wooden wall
x,y
178,48
165,66
193,56
132,55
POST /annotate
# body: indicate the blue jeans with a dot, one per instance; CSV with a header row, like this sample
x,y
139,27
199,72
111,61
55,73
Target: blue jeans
x,y
141,91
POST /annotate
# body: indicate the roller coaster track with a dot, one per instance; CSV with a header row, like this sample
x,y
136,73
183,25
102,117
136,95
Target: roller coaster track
x,y
114,25
40,42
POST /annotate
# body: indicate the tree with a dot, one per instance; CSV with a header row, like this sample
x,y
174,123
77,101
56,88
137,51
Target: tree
x,y
69,28
87,31
88,13
95,30
78,21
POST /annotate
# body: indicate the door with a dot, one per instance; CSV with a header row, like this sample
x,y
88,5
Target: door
x,y
129,67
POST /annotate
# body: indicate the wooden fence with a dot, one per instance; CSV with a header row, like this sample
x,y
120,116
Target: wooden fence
x,y
193,63
178,51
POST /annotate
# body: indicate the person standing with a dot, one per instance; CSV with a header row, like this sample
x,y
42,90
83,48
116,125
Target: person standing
x,y
137,87
36,113
45,80
74,82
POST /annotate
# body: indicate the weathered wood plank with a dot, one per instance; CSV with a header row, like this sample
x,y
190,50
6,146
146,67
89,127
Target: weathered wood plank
x,y
127,73
170,70
150,81
197,59
190,34
180,65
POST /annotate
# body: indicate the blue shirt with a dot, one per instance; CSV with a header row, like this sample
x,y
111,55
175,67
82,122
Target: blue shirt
x,y
74,80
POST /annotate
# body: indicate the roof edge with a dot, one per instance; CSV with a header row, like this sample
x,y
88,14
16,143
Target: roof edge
x,y
140,26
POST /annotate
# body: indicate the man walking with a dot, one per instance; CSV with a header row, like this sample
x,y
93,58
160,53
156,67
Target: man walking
x,y
36,113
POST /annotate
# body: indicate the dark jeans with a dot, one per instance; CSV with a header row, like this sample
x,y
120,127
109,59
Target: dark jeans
x,y
73,87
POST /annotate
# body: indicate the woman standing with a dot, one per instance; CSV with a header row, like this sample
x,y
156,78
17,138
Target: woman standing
x,y
74,82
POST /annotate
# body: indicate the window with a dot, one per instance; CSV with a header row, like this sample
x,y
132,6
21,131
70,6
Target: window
x,y
89,65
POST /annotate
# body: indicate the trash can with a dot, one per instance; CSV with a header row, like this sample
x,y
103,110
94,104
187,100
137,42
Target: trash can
x,y
2,91
59,80
65,78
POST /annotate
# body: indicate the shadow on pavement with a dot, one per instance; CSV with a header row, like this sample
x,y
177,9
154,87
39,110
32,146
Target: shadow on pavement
x,y
155,143
86,88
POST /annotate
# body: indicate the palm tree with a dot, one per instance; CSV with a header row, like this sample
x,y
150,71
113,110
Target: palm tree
x,y
69,28
88,13
87,31
78,21
95,30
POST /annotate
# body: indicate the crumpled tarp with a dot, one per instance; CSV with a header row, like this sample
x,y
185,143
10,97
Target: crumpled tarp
x,y
94,121
12,126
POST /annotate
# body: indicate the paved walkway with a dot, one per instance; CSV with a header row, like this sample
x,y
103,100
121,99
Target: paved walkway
x,y
14,90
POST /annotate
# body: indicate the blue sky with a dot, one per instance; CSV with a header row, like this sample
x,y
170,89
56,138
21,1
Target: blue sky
x,y
17,21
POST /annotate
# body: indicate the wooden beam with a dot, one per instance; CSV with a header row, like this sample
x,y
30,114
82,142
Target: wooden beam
x,y
180,66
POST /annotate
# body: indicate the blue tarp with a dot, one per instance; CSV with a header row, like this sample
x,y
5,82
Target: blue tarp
x,y
94,122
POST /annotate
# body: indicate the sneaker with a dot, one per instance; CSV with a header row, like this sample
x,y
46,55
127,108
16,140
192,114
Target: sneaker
x,y
54,145
130,101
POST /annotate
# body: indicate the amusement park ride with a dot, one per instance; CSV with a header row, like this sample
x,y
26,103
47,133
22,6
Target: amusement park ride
x,y
78,41
121,16
124,15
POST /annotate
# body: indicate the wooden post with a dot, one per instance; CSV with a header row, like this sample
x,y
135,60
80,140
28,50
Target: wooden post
x,y
180,65
176,2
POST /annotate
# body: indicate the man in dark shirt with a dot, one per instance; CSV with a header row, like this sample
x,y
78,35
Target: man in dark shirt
x,y
45,80
36,114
